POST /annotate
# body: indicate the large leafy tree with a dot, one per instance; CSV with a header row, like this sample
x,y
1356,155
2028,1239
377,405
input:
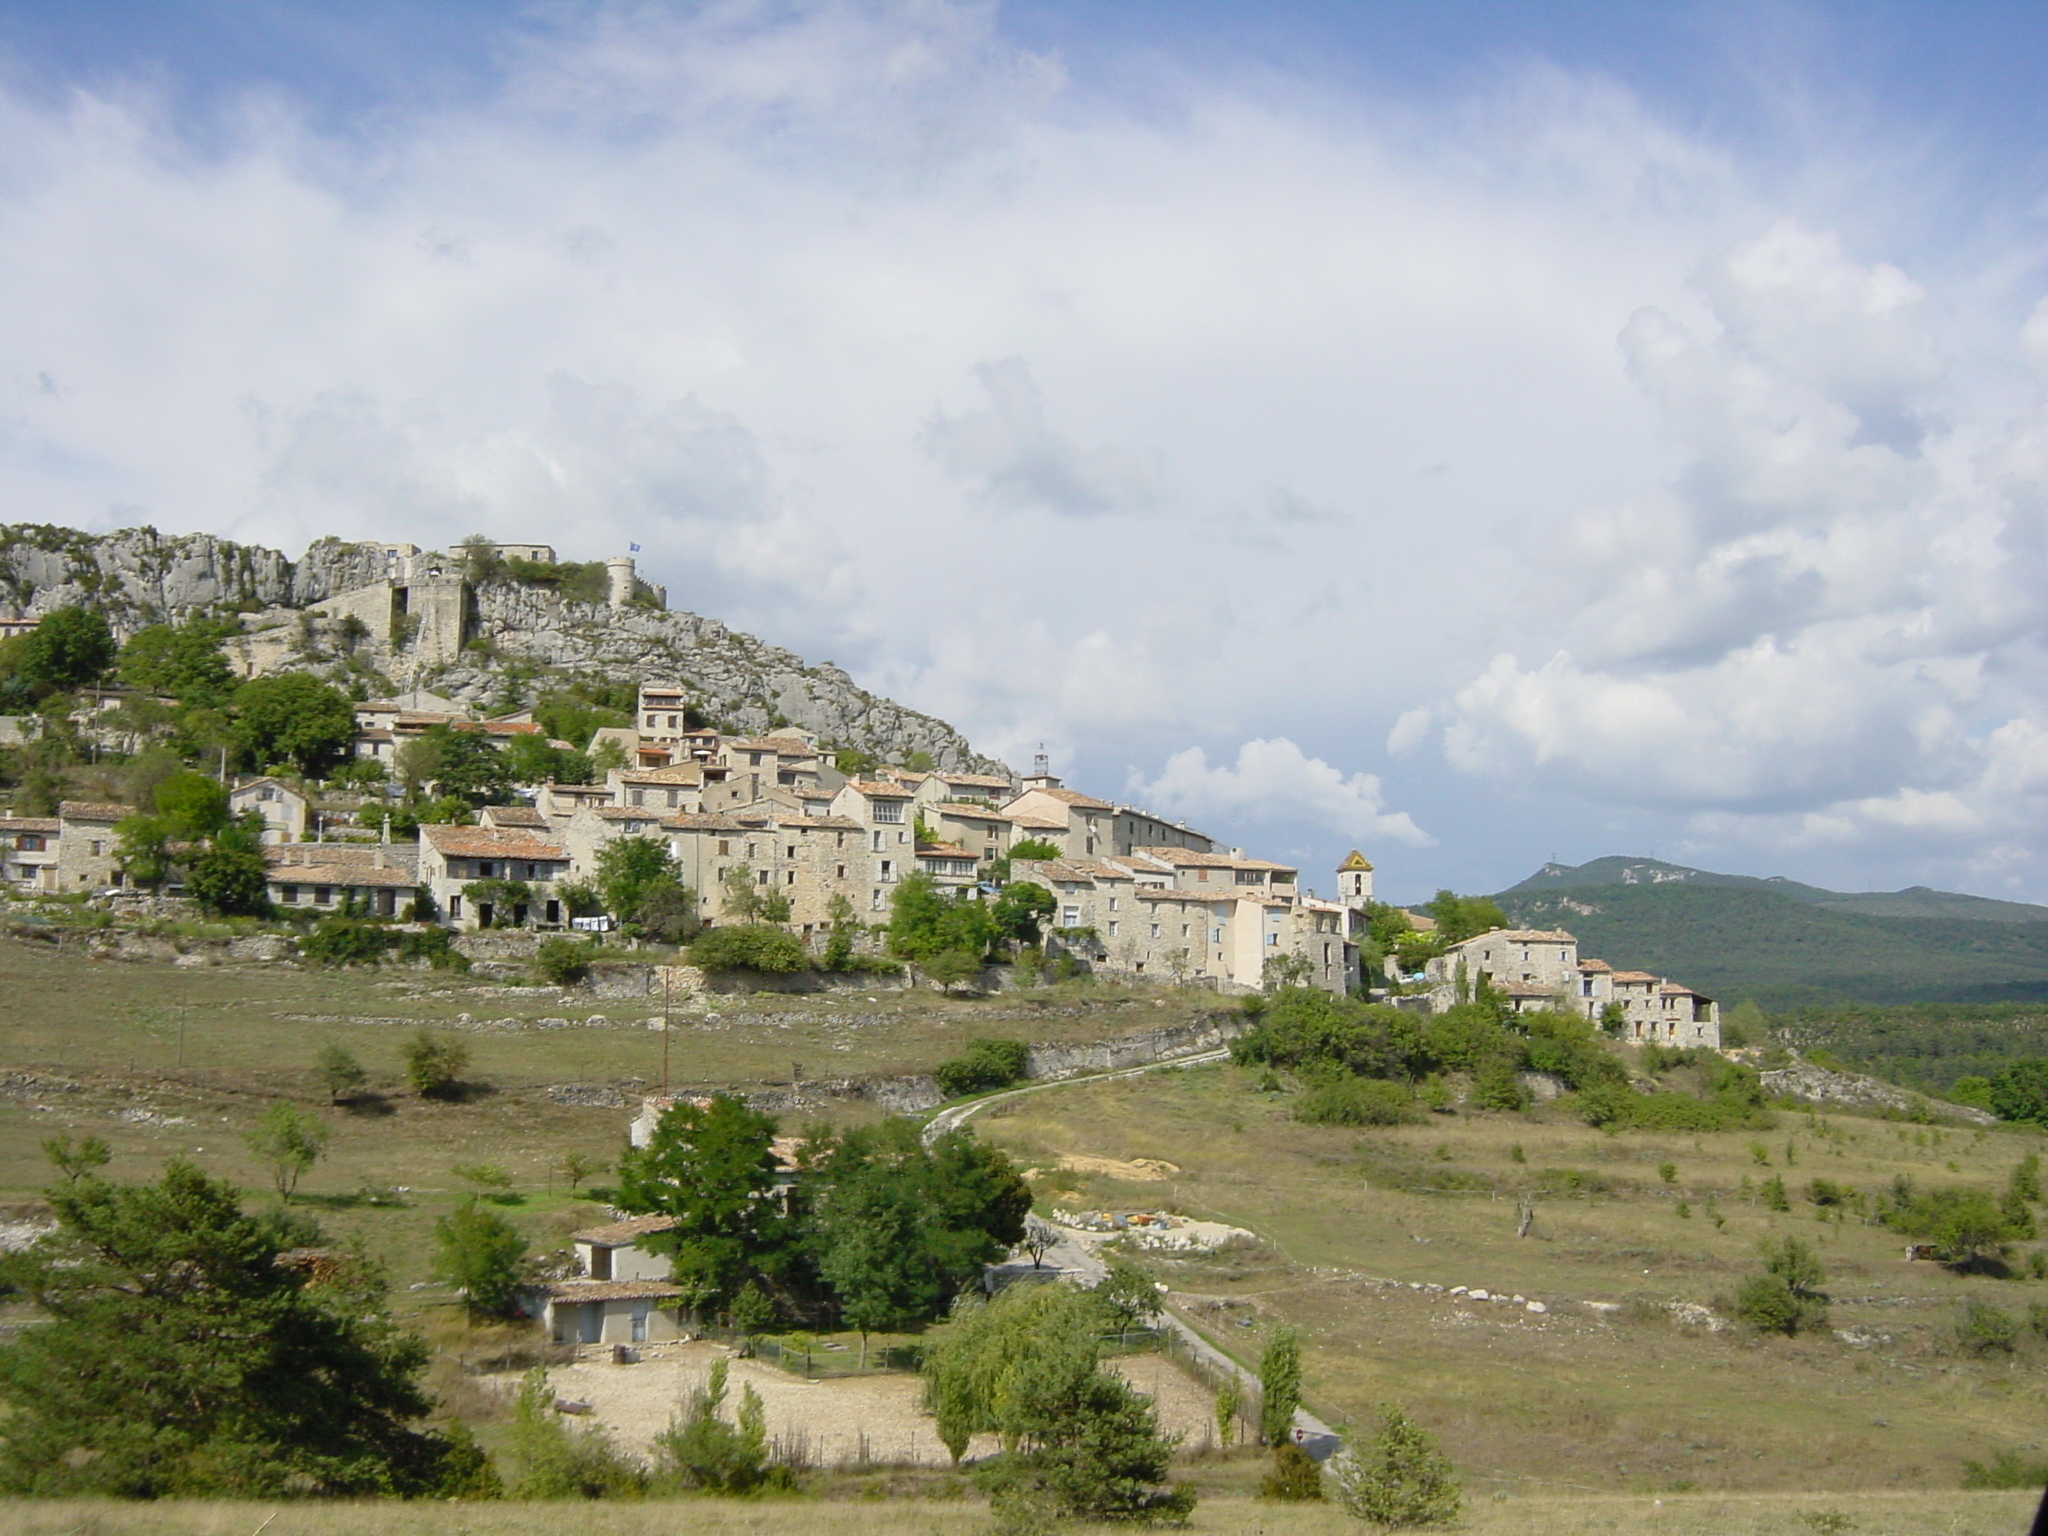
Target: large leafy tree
x,y
898,1229
627,867
453,762
1021,910
180,1358
184,662
710,1167
482,1255
2020,1091
1459,918
66,650
925,921
293,717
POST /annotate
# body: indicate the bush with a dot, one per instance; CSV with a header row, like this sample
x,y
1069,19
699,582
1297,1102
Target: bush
x,y
1982,1329
344,941
1400,1479
702,1453
556,1463
1786,1298
561,962
1496,1086
436,946
1295,1478
759,947
434,1065
985,1066
2007,1469
1356,1101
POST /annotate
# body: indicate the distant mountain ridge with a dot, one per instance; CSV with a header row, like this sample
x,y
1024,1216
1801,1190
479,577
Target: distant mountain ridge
x,y
1913,901
1786,944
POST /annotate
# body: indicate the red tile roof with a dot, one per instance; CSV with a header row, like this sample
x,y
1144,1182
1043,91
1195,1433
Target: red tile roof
x,y
491,843
93,810
621,1234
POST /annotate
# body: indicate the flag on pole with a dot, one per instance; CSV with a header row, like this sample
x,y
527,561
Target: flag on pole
x,y
633,549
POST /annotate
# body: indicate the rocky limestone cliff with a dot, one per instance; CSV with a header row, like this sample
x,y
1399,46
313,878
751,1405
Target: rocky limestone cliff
x,y
524,639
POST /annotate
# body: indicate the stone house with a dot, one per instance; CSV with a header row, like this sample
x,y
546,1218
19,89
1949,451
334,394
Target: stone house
x,y
608,1311
285,809
1538,969
947,863
452,857
380,879
885,816
679,787
554,800
1084,823
807,859
28,851
85,845
971,824
1538,963
614,1251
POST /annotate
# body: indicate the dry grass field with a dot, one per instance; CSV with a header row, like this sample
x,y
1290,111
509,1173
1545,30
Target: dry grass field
x,y
1608,1389
1893,1514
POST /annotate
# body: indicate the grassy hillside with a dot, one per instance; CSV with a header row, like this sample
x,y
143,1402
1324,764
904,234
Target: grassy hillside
x,y
1748,940
1914,901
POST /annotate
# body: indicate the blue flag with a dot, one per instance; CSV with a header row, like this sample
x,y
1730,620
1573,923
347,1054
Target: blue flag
x,y
633,549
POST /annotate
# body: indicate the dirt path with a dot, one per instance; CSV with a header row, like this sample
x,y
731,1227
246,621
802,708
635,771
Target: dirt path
x,y
846,1421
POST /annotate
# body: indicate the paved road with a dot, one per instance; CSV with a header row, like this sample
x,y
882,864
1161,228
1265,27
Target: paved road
x,y
1074,1254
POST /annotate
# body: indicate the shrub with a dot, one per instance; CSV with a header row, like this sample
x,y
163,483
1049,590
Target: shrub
x,y
1772,1193
434,1065
983,1067
1495,1086
702,1453
436,946
1400,1479
1786,1298
760,947
1295,1477
340,1072
1279,1385
561,962
2007,1469
556,1463
343,941
1982,1329
1826,1192
481,1254
1355,1101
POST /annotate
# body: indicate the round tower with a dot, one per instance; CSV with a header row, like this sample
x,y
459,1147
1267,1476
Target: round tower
x,y
618,572
1354,881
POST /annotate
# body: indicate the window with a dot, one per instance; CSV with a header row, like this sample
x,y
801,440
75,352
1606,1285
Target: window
x,y
888,869
638,798
323,895
761,878
98,847
753,759
838,871
1272,940
486,869
526,870
1112,903
1202,875
455,906
790,878
30,843
875,901
888,810
792,850
878,843
1070,917
1155,930
750,850
725,845
289,895
1216,937
1183,930
1112,929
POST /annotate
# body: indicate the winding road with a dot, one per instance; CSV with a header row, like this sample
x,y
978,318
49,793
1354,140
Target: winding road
x,y
1074,1254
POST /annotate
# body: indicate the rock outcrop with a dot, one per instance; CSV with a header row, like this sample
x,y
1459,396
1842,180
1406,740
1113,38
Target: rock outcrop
x,y
521,639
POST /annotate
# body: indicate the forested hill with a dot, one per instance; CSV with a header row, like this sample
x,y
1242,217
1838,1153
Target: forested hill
x,y
1737,938
1913,901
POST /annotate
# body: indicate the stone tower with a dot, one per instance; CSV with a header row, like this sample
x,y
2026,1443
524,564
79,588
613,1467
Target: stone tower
x,y
1354,881
618,572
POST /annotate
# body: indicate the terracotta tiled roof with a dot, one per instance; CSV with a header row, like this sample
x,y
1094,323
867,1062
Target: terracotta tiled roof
x,y
1634,976
943,851
675,773
979,780
1193,858
876,791
1595,965
375,736
1038,823
30,824
491,843
622,1234
93,810
1524,989
821,824
500,727
627,812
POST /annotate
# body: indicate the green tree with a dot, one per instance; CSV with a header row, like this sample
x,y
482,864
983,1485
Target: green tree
x,y
1022,910
925,921
434,1064
666,911
142,847
1968,1225
480,1254
1033,849
708,1168
68,649
192,805
626,866
2020,1090
463,764
230,879
293,717
1295,1478
741,898
180,1359
1279,1385
1399,1479
184,662
1459,918
1076,1440
287,1141
986,1064
340,1073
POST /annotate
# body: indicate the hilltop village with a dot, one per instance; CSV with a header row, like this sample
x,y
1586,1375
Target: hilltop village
x,y
776,823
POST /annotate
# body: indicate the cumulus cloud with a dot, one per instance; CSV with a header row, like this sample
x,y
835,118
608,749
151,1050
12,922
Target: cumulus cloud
x,y
1274,781
1181,407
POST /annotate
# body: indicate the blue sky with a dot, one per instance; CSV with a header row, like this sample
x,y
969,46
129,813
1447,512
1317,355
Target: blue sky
x,y
1472,432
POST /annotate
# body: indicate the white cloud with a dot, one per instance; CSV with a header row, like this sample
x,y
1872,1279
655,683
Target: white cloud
x,y
872,330
1276,782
